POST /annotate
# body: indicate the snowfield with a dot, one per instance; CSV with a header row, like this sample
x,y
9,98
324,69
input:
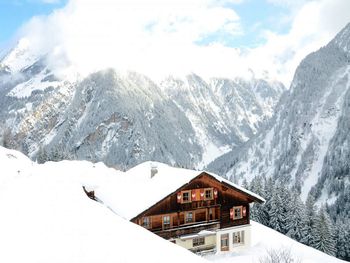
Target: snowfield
x,y
47,218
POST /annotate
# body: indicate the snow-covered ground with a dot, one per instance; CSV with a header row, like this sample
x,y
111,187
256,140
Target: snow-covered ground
x,y
264,240
46,217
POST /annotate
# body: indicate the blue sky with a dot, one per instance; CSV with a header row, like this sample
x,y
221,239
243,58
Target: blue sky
x,y
255,15
14,13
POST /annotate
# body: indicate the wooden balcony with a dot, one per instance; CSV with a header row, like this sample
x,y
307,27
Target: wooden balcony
x,y
188,229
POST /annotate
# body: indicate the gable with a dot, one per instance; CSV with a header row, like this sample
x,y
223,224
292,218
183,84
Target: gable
x,y
226,193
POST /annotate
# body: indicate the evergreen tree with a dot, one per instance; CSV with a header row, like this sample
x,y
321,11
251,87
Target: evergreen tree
x,y
42,156
310,218
343,240
323,233
296,218
258,212
276,214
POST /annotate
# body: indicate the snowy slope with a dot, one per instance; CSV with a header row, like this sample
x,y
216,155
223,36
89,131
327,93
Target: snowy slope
x,y
306,145
46,217
265,239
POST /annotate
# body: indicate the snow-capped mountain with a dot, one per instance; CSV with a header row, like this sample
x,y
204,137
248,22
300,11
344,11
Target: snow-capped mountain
x,y
124,118
306,144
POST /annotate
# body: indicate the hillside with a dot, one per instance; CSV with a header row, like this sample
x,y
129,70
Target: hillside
x,y
306,144
46,216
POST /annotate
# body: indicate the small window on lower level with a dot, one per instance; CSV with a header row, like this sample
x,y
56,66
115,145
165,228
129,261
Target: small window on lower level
x,y
224,242
189,217
146,222
198,241
238,237
166,222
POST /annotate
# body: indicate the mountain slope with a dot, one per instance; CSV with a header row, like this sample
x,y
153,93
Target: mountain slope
x,y
306,145
125,118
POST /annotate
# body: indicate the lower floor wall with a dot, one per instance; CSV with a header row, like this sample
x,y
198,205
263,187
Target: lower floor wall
x,y
233,239
197,242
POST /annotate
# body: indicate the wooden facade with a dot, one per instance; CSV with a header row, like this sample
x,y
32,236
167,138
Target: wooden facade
x,y
204,203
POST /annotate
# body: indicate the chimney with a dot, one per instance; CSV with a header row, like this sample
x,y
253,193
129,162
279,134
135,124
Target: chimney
x,y
154,170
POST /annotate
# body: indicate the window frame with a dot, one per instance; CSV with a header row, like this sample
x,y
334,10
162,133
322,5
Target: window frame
x,y
211,193
234,212
198,241
189,196
225,237
148,225
168,224
186,217
240,236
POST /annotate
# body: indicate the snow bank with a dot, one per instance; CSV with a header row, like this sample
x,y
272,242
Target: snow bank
x,y
265,239
46,217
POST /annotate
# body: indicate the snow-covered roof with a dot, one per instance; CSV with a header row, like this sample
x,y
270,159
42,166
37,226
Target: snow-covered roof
x,y
135,191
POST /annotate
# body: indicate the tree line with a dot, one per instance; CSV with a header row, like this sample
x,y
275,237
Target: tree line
x,y
307,223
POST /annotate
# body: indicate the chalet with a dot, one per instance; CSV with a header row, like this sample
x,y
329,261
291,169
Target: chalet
x,y
197,210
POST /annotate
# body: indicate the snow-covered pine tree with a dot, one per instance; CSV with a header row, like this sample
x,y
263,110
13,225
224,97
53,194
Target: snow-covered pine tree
x,y
323,233
343,239
258,211
296,218
276,213
310,218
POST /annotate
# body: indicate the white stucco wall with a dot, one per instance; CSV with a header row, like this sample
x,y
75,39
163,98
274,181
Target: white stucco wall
x,y
230,231
187,243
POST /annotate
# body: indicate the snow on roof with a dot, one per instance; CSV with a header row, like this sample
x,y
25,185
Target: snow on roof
x,y
135,191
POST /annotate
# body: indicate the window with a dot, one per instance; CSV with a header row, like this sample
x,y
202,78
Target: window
x,y
166,222
189,217
186,196
146,222
238,237
198,241
208,194
224,242
211,214
237,212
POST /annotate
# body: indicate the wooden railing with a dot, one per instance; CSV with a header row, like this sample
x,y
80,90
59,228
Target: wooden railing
x,y
188,229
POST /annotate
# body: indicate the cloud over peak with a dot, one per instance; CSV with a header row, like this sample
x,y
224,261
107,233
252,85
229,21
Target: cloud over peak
x,y
162,37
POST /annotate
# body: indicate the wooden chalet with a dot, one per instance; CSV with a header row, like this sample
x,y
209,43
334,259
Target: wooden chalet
x,y
200,211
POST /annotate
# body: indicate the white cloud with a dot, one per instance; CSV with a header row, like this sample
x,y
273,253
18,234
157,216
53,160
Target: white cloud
x,y
158,37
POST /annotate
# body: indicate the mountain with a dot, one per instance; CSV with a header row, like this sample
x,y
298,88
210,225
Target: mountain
x,y
306,144
124,118
47,217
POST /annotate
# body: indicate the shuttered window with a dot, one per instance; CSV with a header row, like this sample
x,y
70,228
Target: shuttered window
x,y
186,196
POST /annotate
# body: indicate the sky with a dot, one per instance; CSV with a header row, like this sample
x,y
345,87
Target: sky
x,y
221,38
